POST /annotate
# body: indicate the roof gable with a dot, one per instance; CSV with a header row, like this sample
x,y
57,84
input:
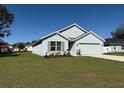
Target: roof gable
x,y
84,35
74,29
70,26
48,36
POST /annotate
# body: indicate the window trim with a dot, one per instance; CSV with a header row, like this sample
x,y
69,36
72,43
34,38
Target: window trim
x,y
56,46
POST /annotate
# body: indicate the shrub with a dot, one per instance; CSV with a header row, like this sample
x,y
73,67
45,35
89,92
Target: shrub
x,y
57,54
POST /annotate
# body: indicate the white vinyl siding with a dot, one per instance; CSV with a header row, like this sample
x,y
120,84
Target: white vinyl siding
x,y
44,47
89,44
48,46
117,48
72,32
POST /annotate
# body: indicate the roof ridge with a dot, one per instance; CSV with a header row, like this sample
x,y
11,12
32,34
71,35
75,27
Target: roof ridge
x,y
74,24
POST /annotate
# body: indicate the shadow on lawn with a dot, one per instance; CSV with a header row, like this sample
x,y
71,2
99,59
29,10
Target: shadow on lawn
x,y
9,55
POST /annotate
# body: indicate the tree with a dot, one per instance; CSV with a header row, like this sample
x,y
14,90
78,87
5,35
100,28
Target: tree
x,y
33,41
119,32
6,19
27,43
19,45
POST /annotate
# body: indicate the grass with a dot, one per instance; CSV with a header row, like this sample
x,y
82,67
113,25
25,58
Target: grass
x,y
28,70
116,53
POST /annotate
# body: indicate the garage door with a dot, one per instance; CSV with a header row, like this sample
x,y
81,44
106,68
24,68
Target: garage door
x,y
90,48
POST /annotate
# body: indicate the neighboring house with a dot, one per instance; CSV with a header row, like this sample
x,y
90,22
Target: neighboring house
x,y
107,49
4,48
114,45
28,47
15,49
73,38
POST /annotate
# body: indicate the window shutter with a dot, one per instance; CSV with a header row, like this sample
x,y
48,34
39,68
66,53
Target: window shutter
x,y
49,46
63,46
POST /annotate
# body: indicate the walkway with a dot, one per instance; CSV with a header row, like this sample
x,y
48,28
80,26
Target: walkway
x,y
110,57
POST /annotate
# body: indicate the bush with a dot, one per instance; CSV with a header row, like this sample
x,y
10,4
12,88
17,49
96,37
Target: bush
x,y
57,54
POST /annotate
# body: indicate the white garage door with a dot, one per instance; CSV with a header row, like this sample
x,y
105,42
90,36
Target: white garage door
x,y
90,48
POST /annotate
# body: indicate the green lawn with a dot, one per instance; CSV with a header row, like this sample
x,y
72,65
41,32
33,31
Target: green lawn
x,y
117,53
28,70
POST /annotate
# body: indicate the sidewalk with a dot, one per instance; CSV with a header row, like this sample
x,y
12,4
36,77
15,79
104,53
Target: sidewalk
x,y
110,57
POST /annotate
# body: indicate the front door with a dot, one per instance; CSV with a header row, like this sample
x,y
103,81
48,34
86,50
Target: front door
x,y
70,45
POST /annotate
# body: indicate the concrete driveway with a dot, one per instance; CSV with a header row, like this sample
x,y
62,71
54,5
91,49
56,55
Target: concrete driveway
x,y
110,57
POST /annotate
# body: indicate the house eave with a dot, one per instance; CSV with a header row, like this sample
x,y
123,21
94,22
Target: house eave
x,y
45,37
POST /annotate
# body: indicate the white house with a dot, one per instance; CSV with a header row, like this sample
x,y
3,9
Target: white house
x,y
114,48
72,38
114,45
107,49
28,47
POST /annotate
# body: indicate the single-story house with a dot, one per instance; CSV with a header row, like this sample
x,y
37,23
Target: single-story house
x,y
107,49
72,38
114,45
28,47
15,49
4,48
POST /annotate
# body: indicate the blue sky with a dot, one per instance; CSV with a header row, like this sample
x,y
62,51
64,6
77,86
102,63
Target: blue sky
x,y
35,21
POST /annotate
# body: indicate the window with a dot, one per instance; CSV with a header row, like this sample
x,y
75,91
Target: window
x,y
52,44
55,46
122,47
58,46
